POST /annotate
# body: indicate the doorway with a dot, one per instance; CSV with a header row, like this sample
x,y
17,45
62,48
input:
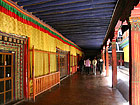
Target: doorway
x,y
6,77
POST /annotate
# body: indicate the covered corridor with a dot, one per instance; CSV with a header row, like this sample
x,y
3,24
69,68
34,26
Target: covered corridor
x,y
42,43
81,89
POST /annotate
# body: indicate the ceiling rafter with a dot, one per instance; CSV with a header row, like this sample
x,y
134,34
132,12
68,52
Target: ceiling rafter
x,y
44,3
80,12
68,10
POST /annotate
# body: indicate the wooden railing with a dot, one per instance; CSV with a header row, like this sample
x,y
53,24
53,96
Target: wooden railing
x,y
43,83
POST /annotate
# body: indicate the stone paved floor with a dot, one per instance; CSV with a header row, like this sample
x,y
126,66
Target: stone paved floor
x,y
80,89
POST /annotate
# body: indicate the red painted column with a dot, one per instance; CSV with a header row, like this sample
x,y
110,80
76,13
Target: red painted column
x,y
114,63
107,61
134,60
103,57
69,63
25,70
121,60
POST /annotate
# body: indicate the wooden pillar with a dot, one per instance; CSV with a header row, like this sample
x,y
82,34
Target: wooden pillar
x,y
49,62
103,57
58,61
121,60
69,63
107,61
134,60
33,73
114,63
29,68
25,70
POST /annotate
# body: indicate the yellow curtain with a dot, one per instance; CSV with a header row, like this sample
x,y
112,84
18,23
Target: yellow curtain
x,y
38,64
52,63
46,65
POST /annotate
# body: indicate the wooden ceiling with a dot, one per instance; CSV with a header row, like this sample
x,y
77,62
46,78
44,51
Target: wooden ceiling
x,y
85,22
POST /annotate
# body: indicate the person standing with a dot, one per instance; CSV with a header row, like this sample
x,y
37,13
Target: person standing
x,y
81,64
101,65
94,63
87,65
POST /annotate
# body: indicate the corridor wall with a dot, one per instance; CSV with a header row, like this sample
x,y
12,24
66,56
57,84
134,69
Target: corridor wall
x,y
16,21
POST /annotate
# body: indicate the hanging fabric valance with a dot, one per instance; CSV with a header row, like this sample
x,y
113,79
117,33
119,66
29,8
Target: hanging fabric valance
x,y
18,14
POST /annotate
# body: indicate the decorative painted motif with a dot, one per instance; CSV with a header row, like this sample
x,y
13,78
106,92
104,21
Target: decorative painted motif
x,y
18,51
135,23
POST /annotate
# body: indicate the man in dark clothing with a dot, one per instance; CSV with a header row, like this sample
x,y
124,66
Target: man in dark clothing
x,y
101,65
81,64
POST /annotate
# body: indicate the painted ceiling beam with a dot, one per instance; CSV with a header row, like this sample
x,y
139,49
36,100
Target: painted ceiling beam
x,y
21,0
82,38
89,36
85,19
98,11
91,11
35,2
82,28
80,21
48,8
65,10
88,42
78,17
79,30
105,15
81,24
85,33
102,35
74,15
44,3
72,23
53,7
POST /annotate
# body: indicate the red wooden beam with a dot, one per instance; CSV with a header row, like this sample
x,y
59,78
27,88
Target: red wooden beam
x,y
28,67
49,61
114,63
107,61
33,76
134,59
58,61
25,70
103,57
69,63
107,58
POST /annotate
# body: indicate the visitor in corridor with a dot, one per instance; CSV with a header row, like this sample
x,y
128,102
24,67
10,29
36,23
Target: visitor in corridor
x,y
101,65
87,65
94,63
98,64
81,65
